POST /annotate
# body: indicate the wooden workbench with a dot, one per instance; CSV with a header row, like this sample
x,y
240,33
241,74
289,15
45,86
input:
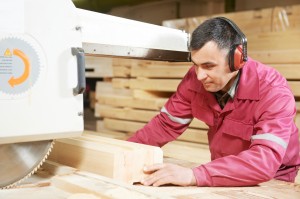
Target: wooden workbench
x,y
55,181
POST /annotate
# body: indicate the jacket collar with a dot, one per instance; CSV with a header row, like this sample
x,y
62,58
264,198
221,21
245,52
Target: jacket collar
x,y
249,82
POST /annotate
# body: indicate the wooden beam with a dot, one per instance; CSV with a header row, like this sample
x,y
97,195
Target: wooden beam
x,y
138,115
98,67
161,70
289,71
169,85
128,101
276,57
295,87
192,152
120,160
190,134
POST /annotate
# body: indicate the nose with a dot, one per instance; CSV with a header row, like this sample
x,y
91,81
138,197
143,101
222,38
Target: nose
x,y
201,74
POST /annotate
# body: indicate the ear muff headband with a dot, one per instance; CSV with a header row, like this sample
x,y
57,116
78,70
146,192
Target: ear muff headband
x,y
237,58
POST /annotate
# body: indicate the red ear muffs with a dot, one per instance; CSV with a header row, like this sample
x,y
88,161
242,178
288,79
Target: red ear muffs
x,y
236,61
238,58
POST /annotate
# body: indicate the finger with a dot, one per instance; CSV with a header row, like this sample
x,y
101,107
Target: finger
x,y
163,181
152,168
154,177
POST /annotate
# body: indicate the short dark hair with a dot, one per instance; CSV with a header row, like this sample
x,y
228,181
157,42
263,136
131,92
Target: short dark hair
x,y
217,30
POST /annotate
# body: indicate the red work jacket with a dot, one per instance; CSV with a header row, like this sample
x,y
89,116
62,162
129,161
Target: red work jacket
x,y
252,140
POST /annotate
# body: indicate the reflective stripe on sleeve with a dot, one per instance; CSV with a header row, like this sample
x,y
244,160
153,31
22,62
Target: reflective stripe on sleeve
x,y
176,119
270,137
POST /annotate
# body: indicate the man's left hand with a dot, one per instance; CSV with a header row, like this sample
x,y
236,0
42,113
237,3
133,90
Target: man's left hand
x,y
161,174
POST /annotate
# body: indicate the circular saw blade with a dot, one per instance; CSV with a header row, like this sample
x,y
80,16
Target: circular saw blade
x,y
20,160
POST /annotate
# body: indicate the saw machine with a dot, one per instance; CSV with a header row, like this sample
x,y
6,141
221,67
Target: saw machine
x,y
42,72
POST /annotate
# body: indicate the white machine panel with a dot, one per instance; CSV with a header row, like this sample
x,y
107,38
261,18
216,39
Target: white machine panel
x,y
38,71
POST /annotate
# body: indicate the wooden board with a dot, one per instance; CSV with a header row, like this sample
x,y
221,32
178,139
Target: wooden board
x,y
250,22
61,182
190,134
138,115
105,156
127,101
98,66
186,151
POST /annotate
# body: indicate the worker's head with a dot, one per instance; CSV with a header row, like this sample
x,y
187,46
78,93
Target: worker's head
x,y
210,48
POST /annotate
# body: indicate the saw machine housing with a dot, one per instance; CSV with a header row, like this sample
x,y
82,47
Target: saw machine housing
x,y
36,41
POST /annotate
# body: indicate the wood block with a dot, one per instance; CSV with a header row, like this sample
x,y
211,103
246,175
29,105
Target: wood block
x,y
297,121
276,57
169,85
101,131
128,101
289,71
143,94
121,83
121,71
295,87
108,157
161,70
98,66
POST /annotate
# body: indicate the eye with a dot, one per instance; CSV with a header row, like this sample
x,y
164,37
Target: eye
x,y
208,66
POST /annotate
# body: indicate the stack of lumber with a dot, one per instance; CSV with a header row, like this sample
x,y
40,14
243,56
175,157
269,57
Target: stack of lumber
x,y
276,19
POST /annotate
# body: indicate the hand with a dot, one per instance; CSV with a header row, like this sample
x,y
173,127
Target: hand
x,y
161,174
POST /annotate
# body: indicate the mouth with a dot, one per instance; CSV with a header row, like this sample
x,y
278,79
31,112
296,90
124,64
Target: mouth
x,y
206,83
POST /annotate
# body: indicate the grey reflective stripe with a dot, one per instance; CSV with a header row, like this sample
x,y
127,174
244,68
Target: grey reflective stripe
x,y
175,119
270,137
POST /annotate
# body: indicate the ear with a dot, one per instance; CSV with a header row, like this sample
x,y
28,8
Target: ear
x,y
238,58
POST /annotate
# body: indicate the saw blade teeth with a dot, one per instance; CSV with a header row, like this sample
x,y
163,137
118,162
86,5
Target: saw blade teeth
x,y
15,184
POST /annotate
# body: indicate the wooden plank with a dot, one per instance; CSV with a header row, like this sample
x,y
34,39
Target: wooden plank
x,y
298,106
190,134
127,101
100,131
169,85
121,82
108,158
143,94
98,67
161,70
297,121
284,40
125,113
295,87
250,22
289,71
100,187
276,56
57,181
107,88
121,71
136,115
192,152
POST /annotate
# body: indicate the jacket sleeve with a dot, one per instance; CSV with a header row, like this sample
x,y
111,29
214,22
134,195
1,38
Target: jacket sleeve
x,y
172,120
262,160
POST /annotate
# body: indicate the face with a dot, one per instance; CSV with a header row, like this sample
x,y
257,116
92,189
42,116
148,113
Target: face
x,y
212,69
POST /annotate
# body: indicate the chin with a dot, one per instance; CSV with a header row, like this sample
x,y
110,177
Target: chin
x,y
211,90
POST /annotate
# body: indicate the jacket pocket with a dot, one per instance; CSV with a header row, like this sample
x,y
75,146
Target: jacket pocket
x,y
236,137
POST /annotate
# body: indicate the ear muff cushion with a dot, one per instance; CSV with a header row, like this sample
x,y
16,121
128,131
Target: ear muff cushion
x,y
238,58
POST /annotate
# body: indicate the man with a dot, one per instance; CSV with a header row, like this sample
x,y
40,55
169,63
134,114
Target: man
x,y
248,107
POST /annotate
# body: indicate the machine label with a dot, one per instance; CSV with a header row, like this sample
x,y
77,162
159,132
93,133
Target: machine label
x,y
19,66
